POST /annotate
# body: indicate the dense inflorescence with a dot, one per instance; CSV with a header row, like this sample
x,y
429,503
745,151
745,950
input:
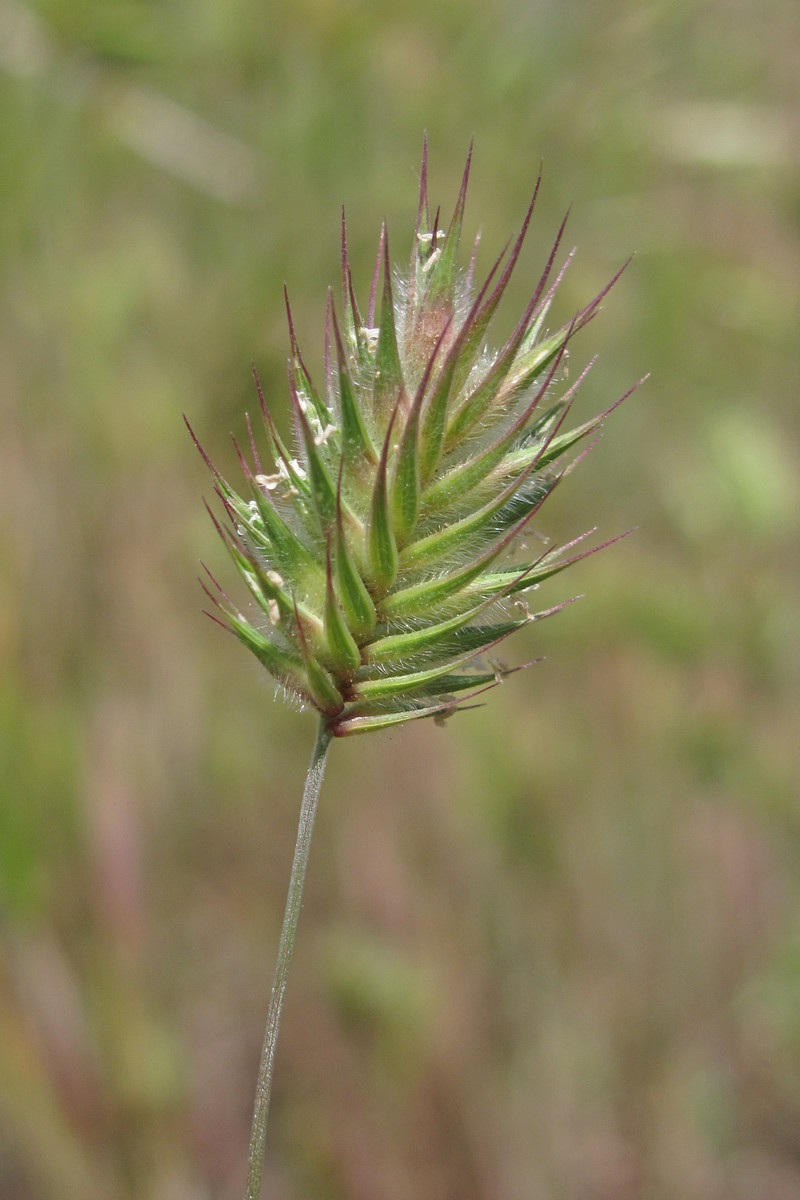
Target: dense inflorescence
x,y
383,554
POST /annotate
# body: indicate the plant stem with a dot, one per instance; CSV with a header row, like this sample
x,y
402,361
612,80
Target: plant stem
x,y
305,827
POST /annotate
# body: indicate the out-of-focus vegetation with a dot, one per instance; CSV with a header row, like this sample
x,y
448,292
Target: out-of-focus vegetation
x,y
551,951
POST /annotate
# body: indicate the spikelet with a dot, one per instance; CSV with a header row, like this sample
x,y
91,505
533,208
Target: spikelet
x,y
383,554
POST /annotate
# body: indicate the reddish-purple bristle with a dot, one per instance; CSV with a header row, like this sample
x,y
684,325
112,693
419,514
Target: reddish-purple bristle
x,y
226,504
569,398
348,293
551,291
557,608
261,400
292,335
330,393
269,425
215,599
591,308
458,213
568,562
216,620
338,339
422,207
587,450
607,412
506,355
422,219
226,536
517,248
387,272
296,353
345,260
435,229
201,451
243,463
217,585
545,274
373,291
528,411
253,446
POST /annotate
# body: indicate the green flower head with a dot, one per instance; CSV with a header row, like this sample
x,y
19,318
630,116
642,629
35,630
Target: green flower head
x,y
383,550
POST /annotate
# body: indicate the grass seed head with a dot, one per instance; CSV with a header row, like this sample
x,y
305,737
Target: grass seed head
x,y
383,552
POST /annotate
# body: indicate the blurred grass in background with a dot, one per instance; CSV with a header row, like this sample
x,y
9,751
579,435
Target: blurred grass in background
x,y
552,951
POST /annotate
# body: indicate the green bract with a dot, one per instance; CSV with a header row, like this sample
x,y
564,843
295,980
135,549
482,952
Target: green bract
x,y
382,553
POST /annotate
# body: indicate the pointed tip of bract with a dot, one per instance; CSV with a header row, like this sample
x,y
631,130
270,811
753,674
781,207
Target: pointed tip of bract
x,y
423,220
422,206
388,378
441,282
373,291
387,266
262,402
198,446
243,463
296,355
352,315
345,256
461,203
288,312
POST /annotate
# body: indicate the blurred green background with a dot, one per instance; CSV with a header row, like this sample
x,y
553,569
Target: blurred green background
x,y
551,951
